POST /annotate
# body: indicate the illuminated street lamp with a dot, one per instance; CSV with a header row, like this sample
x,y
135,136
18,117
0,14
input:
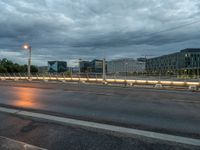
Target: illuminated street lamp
x,y
28,47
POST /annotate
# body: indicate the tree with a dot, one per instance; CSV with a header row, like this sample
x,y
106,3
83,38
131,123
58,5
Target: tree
x,y
2,69
34,69
7,66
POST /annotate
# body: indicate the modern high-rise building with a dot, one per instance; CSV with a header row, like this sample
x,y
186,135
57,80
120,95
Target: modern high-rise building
x,y
97,65
84,66
126,65
94,66
186,61
57,66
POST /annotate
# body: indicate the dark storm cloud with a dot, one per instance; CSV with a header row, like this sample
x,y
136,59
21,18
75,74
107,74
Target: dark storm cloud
x,y
70,29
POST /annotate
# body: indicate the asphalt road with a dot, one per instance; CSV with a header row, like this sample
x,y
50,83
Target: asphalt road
x,y
172,112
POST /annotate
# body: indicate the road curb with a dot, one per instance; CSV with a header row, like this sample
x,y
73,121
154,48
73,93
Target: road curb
x,y
8,144
111,128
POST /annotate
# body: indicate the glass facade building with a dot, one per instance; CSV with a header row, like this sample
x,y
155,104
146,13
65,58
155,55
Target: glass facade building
x,y
185,62
94,66
57,66
84,66
126,65
97,66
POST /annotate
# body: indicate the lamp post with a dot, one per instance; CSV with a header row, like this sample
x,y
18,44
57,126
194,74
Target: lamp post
x,y
28,47
126,68
79,71
104,69
198,68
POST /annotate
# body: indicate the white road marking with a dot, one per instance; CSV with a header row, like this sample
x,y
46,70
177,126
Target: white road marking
x,y
106,127
25,145
8,110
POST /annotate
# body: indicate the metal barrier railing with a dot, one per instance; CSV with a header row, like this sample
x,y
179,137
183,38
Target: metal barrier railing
x,y
128,80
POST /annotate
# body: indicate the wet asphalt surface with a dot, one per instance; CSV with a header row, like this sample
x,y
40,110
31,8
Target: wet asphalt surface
x,y
171,112
57,137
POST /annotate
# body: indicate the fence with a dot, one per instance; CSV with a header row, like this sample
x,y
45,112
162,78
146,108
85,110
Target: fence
x,y
110,79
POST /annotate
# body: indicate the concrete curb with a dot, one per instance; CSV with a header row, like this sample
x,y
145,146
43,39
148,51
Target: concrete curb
x,y
111,128
8,144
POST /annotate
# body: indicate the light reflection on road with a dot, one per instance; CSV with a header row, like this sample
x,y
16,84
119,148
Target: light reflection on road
x,y
26,97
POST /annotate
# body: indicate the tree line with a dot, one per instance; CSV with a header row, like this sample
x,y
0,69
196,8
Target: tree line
x,y
7,66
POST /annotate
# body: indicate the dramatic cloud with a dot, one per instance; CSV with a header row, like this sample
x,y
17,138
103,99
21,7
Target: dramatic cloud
x,y
72,29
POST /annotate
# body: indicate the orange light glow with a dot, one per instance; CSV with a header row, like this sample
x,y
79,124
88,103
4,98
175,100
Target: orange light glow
x,y
26,97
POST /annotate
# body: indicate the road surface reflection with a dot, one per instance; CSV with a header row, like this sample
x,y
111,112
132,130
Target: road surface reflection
x,y
26,97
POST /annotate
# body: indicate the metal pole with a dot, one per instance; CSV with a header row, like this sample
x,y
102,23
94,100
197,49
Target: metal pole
x,y
198,68
29,63
104,69
71,72
79,67
126,70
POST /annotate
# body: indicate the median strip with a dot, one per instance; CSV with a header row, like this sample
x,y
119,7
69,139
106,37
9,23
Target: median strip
x,y
127,131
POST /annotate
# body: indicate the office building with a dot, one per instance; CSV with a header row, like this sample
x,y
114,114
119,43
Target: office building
x,y
186,61
126,65
84,66
94,66
57,66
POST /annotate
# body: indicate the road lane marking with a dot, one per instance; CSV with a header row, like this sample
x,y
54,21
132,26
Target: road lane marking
x,y
105,127
8,110
11,143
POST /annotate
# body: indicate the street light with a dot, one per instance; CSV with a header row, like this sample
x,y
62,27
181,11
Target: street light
x,y
28,47
126,63
79,66
104,69
198,68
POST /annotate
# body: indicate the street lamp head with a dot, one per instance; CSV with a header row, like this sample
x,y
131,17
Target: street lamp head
x,y
26,46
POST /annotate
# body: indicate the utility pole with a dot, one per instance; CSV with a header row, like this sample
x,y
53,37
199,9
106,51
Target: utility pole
x,y
198,68
126,67
104,69
71,72
80,67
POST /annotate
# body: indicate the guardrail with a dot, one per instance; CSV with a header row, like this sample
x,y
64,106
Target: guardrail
x,y
96,79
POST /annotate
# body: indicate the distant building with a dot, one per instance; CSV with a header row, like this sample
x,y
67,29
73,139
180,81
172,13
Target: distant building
x,y
75,69
186,61
84,66
126,65
42,69
57,66
94,66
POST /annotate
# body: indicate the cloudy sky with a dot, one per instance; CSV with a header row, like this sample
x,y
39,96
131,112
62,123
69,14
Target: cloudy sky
x,y
72,29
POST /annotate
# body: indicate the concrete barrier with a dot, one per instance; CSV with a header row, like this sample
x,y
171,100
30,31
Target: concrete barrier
x,y
193,88
158,86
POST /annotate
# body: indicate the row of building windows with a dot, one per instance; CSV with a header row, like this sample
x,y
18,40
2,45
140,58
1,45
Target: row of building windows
x,y
185,59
